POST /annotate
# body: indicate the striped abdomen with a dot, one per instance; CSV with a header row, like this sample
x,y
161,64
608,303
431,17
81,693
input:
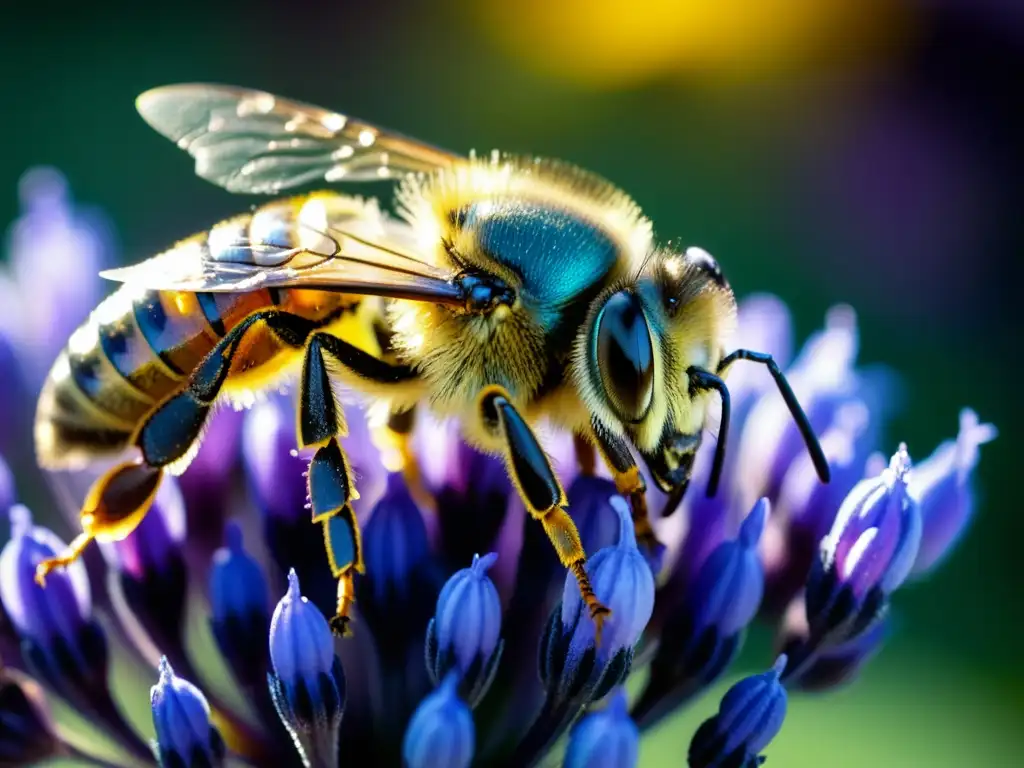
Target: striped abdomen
x,y
138,348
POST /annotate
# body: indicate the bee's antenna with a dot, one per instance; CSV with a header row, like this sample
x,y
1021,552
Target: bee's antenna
x,y
704,381
802,422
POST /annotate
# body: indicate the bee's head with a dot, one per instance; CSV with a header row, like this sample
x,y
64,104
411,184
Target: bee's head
x,y
640,339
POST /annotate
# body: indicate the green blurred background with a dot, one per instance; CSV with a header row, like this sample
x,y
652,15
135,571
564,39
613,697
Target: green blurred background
x,y
825,150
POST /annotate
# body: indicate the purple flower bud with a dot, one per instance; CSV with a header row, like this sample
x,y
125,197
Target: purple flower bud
x,y
623,582
806,507
308,684
705,524
574,666
61,644
42,614
942,486
441,733
750,716
704,632
729,588
876,534
606,738
469,613
181,717
301,644
239,605
150,577
153,547
395,542
237,584
807,502
867,554
466,629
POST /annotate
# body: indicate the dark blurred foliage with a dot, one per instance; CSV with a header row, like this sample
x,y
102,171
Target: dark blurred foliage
x,y
887,177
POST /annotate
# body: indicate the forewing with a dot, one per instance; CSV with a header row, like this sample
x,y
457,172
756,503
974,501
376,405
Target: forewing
x,y
252,141
329,243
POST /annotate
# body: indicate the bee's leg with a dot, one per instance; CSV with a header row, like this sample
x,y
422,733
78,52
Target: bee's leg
x,y
331,493
331,484
113,508
120,499
539,488
629,482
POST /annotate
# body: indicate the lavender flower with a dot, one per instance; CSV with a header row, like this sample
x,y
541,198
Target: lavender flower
x,y
512,663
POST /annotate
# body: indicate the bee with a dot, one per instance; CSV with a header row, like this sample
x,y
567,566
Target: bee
x,y
503,291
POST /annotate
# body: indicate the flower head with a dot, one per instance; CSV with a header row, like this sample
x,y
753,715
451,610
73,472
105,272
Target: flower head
x,y
476,697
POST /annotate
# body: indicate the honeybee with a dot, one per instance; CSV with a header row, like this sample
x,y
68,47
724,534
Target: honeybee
x,y
503,291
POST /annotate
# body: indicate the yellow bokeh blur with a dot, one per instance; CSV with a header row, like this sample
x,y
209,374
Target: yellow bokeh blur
x,y
613,44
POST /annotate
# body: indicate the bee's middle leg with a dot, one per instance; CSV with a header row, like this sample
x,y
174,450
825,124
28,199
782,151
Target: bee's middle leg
x,y
540,490
629,482
331,483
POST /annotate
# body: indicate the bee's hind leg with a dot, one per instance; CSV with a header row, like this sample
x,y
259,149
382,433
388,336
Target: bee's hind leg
x,y
331,483
113,508
119,500
631,484
540,490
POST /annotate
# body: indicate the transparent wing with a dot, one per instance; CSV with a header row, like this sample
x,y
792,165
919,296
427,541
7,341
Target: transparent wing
x,y
328,243
251,141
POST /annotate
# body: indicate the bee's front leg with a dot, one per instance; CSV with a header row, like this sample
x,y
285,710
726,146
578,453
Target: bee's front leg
x,y
539,488
330,480
629,482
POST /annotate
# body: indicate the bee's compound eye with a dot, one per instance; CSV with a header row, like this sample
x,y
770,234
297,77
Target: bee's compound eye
x,y
625,356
